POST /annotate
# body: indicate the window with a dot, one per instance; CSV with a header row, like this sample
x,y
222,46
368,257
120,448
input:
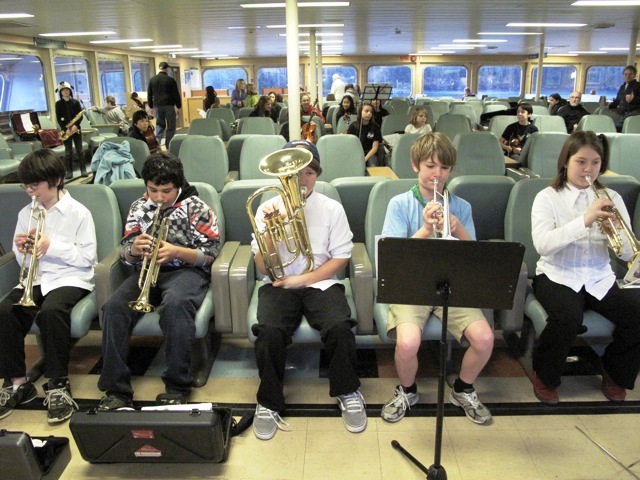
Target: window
x,y
221,78
444,80
500,81
112,80
555,79
274,78
74,71
605,80
140,76
347,73
399,77
22,84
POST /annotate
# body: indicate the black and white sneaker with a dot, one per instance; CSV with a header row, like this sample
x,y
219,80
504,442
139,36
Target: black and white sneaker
x,y
60,405
11,399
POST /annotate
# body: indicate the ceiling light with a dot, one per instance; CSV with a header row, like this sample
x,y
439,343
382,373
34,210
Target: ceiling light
x,y
459,46
75,34
15,15
300,4
243,27
586,52
156,46
311,25
606,3
438,52
211,55
562,54
509,33
318,34
124,40
174,50
615,49
549,25
10,58
320,42
478,41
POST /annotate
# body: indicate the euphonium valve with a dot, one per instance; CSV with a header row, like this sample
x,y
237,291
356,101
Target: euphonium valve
x,y
289,232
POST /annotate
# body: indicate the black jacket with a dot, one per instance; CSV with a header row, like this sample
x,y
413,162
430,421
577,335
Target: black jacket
x,y
163,92
66,111
621,101
572,115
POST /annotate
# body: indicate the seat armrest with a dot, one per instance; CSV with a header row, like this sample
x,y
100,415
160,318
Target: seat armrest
x,y
6,154
23,148
106,128
220,282
109,273
232,176
521,173
242,281
511,320
9,272
361,278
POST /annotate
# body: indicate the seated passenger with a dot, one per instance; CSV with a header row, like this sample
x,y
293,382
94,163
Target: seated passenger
x,y
418,122
263,108
141,130
516,134
184,261
378,111
556,102
275,108
252,96
368,131
415,214
573,112
307,109
211,99
316,293
114,114
62,276
346,109
573,273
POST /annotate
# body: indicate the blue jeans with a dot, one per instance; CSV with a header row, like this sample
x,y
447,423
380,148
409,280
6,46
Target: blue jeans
x,y
165,120
178,293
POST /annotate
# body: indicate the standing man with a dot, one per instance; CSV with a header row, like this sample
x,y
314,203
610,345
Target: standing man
x,y
572,112
338,87
627,101
164,101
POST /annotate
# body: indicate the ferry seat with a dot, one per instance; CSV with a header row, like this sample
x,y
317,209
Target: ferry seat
x,y
465,109
550,123
493,107
394,123
225,114
209,127
539,156
176,143
98,121
478,153
498,123
244,112
518,229
91,135
435,109
597,123
399,104
217,301
452,124
256,126
254,148
284,115
631,124
47,124
17,150
623,151
205,160
102,204
341,156
401,156
139,150
540,110
8,164
342,125
244,288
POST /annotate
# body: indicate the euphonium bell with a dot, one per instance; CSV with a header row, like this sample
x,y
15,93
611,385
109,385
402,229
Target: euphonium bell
x,y
29,275
290,231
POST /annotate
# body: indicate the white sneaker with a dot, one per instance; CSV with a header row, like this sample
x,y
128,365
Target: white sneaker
x,y
396,408
266,423
354,415
473,408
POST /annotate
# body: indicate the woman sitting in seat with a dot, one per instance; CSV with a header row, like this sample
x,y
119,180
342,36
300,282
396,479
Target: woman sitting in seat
x,y
263,108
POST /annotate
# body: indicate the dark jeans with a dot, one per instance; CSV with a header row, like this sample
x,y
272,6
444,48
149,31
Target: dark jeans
x,y
52,316
279,315
178,293
566,308
68,147
165,120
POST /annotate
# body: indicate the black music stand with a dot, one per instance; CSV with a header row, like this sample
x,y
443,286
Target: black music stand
x,y
380,91
445,273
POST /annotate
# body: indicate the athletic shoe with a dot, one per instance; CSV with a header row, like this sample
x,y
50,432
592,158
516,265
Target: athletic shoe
x,y
111,401
473,409
266,423
172,399
10,399
60,405
354,415
396,408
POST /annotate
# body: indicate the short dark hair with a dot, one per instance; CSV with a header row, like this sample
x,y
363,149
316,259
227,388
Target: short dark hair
x,y
555,96
139,115
526,107
162,168
632,68
40,166
576,141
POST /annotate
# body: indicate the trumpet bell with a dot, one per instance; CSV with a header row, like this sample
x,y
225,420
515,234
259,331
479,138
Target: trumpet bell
x,y
285,162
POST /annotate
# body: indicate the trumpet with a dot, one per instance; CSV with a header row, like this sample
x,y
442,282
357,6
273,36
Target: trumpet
x,y
615,231
29,275
292,230
63,134
443,212
150,268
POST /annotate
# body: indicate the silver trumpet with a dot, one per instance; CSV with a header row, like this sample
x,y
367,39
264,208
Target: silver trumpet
x,y
29,275
443,212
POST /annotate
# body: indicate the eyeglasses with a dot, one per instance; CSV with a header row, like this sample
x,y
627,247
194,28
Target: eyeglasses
x,y
31,186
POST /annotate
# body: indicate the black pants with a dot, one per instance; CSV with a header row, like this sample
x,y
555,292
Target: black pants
x,y
279,315
73,140
566,308
53,317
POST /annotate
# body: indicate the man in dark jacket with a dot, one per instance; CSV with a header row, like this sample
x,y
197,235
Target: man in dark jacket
x,y
573,112
164,99
627,101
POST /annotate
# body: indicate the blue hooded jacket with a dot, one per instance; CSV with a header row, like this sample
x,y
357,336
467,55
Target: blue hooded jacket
x,y
112,161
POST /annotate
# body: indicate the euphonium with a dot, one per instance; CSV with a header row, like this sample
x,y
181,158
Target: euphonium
x,y
614,231
63,135
291,231
28,275
443,211
150,268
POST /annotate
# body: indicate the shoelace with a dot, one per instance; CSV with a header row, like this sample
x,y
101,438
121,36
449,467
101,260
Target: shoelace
x,y
401,399
59,396
354,402
5,395
472,398
264,412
